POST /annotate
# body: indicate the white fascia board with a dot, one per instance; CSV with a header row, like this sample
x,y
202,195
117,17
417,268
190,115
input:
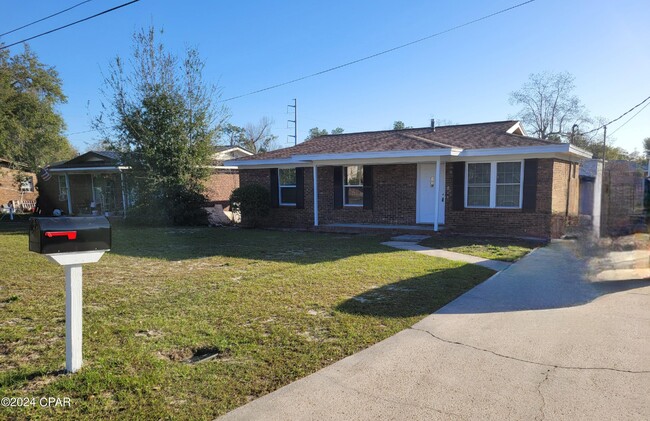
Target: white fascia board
x,y
527,150
579,151
266,163
382,154
236,148
88,169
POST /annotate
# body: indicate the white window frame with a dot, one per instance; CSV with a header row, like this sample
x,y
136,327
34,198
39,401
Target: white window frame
x,y
63,188
345,179
493,184
281,186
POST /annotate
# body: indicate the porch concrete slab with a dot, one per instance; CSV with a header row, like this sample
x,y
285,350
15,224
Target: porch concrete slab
x,y
450,255
411,238
587,359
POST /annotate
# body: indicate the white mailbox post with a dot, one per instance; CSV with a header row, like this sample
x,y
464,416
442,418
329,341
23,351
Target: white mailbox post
x,y
71,263
71,242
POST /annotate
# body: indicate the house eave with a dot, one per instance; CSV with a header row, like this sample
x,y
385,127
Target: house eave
x,y
71,170
560,148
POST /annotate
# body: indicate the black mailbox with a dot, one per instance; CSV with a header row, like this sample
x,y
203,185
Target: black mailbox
x,y
69,234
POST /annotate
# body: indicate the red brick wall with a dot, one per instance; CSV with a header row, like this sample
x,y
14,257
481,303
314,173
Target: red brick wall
x,y
395,190
394,200
220,186
284,216
394,197
550,218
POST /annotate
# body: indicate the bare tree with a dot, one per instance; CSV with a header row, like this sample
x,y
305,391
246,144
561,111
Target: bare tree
x,y
549,107
257,137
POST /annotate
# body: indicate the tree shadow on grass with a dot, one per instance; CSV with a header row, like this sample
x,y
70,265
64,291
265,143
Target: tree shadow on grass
x,y
417,296
178,243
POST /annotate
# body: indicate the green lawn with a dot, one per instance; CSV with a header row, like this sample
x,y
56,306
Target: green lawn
x,y
505,249
270,307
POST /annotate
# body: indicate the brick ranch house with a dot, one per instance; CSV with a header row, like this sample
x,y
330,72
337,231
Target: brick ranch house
x,y
97,177
486,178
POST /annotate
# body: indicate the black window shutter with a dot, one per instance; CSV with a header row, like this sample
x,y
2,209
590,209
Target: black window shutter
x,y
338,187
458,186
300,188
529,201
275,194
367,187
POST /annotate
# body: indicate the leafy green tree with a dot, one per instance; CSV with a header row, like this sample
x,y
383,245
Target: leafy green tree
x,y
160,114
316,132
31,130
233,135
646,147
398,125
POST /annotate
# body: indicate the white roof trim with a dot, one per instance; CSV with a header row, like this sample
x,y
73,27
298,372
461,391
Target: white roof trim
x,y
514,128
519,150
409,155
262,162
239,148
88,169
380,154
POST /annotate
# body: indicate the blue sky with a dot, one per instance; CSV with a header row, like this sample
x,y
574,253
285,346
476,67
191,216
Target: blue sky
x,y
464,76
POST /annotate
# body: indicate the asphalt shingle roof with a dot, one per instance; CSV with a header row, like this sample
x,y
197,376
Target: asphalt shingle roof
x,y
464,136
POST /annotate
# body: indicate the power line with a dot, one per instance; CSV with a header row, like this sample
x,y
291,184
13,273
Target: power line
x,y
45,18
85,131
628,120
620,117
70,24
390,50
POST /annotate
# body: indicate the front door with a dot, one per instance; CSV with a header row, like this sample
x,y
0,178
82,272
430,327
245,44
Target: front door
x,y
426,194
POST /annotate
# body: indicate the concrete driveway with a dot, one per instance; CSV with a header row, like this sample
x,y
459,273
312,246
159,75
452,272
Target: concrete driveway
x,y
545,339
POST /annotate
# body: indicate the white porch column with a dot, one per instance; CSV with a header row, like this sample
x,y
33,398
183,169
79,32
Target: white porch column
x,y
73,318
436,190
315,195
67,187
123,188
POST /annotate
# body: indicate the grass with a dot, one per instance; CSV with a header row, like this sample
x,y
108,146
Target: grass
x,y
268,307
505,249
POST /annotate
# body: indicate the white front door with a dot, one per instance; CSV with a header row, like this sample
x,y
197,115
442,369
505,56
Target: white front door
x,y
426,194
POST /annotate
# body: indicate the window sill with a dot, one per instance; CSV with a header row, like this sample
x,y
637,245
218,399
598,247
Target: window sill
x,y
287,205
352,206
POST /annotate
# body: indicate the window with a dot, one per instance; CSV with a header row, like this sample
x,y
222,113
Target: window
x,y
478,185
287,186
508,184
63,188
353,186
494,184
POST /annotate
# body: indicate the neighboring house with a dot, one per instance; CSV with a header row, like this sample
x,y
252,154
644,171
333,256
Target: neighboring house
x,y
91,183
223,178
487,178
95,182
17,184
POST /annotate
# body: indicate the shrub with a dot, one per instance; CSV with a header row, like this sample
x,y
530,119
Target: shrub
x,y
253,202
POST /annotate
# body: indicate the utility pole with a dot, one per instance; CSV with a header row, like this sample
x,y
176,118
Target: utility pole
x,y
294,121
604,145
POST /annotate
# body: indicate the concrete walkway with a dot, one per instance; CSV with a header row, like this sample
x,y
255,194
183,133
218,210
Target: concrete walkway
x,y
495,265
537,341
